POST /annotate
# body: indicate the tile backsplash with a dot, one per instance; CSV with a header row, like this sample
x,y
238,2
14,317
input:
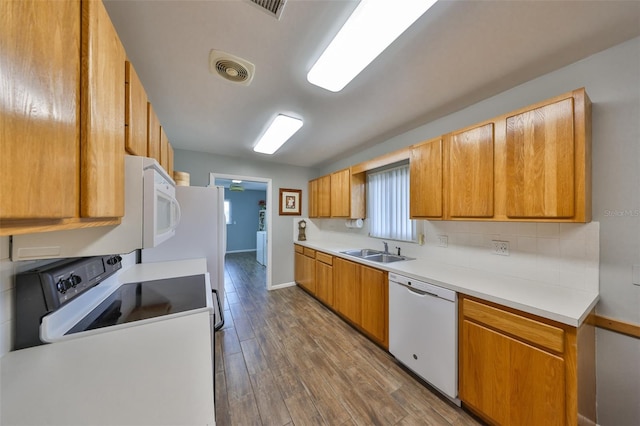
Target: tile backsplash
x,y
559,254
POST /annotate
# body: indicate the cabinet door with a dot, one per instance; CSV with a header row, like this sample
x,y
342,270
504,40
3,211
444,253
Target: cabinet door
x,y
39,114
298,268
102,112
346,289
324,196
425,174
324,282
313,198
540,162
509,381
135,113
471,173
153,133
170,160
164,149
341,193
375,304
309,281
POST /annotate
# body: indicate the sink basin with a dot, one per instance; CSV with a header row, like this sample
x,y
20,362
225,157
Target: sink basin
x,y
375,255
386,258
362,252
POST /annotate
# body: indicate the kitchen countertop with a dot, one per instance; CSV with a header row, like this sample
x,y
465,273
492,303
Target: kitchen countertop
x,y
154,374
565,305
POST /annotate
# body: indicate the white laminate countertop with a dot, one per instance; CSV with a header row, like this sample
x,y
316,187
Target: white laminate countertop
x,y
159,373
561,304
159,270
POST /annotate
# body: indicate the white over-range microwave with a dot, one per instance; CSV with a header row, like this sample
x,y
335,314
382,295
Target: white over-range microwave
x,y
151,216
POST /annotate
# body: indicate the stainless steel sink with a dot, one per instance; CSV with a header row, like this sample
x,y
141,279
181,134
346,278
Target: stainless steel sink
x,y
375,255
386,258
362,252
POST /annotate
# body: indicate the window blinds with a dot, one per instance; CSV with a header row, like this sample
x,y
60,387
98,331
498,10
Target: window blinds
x,y
388,204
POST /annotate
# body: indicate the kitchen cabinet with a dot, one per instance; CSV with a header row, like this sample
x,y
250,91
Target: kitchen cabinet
x,y
63,150
304,268
470,174
164,149
346,287
546,159
135,113
515,368
153,133
170,160
320,197
324,278
348,194
425,175
361,295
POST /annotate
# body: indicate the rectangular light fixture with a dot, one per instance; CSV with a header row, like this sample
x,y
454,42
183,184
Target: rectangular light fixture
x,y
280,130
372,26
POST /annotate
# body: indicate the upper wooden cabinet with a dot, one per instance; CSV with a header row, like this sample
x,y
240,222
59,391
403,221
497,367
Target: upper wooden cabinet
x,y
153,133
533,164
545,160
470,174
39,109
62,163
320,197
170,160
164,149
103,133
135,113
341,193
425,175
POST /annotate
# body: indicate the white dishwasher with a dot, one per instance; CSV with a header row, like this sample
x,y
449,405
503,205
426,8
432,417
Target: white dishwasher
x,y
423,332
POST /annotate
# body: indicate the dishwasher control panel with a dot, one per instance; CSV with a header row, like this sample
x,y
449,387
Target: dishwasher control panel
x,y
422,286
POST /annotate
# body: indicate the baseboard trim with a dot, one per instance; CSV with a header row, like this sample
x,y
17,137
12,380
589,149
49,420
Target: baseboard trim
x,y
283,285
629,329
239,251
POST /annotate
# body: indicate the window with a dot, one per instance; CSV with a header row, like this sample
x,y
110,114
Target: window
x,y
388,204
227,211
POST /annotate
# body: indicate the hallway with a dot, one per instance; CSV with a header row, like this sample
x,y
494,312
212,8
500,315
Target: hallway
x,y
283,358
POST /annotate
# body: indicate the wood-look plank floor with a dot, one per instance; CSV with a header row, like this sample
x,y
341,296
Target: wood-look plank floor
x,y
283,358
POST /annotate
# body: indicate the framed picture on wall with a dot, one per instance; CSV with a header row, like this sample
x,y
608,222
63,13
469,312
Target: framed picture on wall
x,y
290,202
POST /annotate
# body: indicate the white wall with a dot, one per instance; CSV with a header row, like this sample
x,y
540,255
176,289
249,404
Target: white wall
x,y
199,165
612,81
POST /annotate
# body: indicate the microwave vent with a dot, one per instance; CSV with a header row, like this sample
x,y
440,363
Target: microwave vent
x,y
231,67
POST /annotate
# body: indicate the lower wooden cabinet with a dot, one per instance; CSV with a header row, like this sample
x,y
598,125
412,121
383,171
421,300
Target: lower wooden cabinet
x,y
517,369
304,273
324,278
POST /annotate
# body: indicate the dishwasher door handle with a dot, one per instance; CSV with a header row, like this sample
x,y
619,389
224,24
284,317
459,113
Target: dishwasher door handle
x,y
418,292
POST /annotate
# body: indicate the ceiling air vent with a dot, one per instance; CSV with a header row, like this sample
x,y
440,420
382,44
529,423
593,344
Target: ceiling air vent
x,y
231,67
272,7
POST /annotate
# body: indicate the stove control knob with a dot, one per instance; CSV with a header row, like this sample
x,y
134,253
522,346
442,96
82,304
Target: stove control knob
x,y
113,260
75,280
61,287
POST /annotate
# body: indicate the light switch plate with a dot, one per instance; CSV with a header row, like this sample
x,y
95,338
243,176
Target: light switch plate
x,y
636,274
443,241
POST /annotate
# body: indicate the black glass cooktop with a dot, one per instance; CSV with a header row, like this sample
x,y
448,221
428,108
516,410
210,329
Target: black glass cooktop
x,y
147,299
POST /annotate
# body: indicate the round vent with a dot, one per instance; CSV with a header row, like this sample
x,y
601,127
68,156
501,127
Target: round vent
x,y
231,67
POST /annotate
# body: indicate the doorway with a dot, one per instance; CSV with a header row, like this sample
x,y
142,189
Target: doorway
x,y
252,213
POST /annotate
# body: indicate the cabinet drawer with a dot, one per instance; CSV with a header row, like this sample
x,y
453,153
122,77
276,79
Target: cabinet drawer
x,y
324,258
310,253
529,330
298,249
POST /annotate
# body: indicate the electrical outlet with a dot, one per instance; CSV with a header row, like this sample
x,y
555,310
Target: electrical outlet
x,y
501,247
443,241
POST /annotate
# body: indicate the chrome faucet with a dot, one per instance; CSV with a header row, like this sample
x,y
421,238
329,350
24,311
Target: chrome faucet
x,y
386,247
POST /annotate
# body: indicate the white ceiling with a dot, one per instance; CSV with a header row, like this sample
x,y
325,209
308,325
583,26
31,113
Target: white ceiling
x,y
456,54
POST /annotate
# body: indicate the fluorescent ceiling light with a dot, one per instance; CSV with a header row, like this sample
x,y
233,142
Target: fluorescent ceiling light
x,y
279,131
236,181
372,26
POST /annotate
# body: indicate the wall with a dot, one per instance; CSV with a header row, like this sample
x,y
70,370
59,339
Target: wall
x,y
199,165
241,233
611,79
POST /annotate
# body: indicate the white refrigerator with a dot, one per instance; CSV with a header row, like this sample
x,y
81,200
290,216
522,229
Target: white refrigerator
x,y
201,232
